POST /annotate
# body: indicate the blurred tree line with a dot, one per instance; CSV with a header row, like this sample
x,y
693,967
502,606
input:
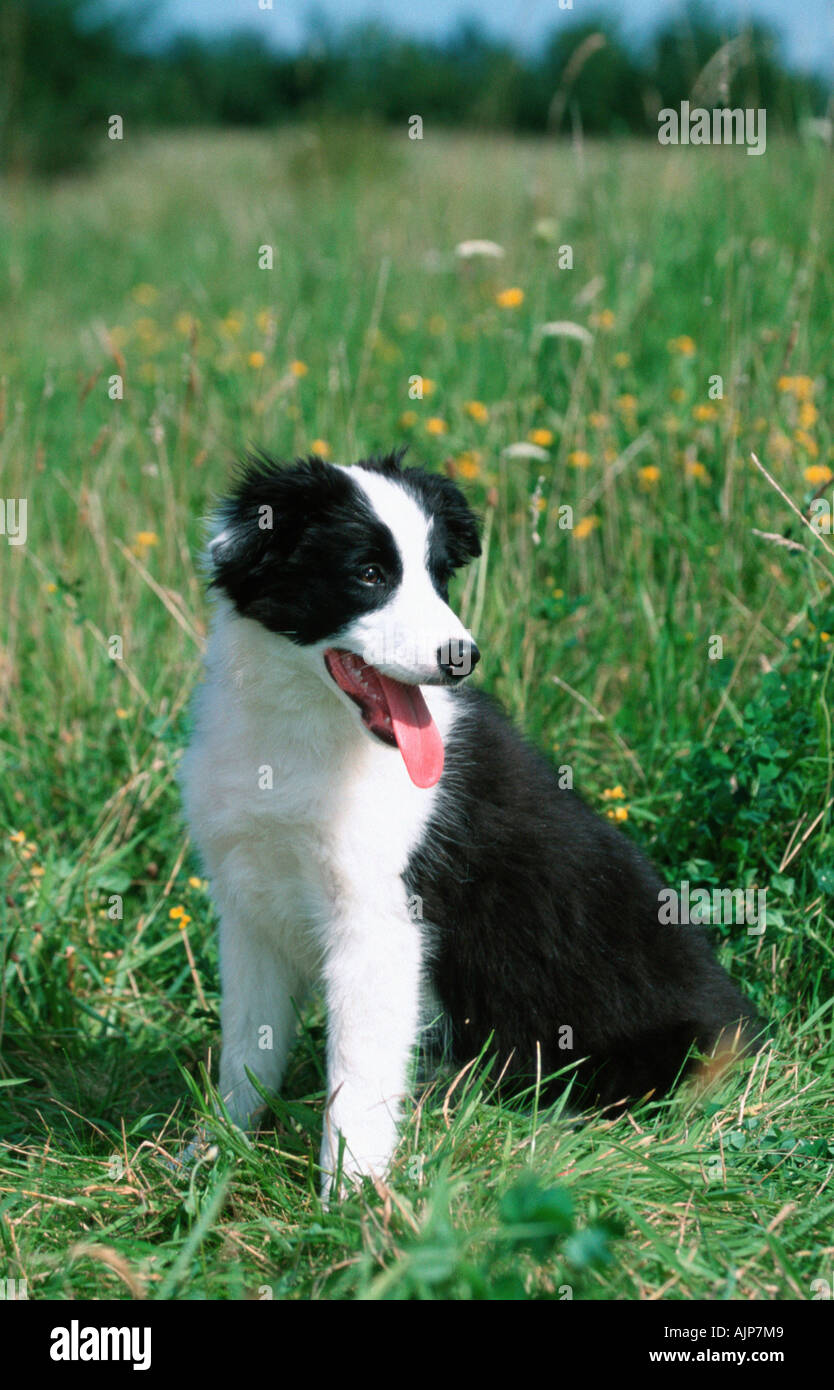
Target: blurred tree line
x,y
66,66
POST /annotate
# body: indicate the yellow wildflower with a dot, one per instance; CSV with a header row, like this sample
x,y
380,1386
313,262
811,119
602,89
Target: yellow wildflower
x,y
684,345
509,299
809,444
800,386
544,438
583,528
469,463
435,425
476,410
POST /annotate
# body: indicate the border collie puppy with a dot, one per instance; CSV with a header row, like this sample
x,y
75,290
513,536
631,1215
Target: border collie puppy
x,y
371,823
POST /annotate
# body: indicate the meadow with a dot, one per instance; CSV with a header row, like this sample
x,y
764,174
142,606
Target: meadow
x,y
649,607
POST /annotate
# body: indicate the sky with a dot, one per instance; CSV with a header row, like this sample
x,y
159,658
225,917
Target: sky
x,y
807,26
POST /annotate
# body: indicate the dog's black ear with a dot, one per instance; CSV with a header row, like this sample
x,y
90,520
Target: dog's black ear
x,y
265,514
464,539
445,503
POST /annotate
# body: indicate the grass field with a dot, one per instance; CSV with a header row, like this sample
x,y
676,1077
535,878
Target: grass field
x,y
600,638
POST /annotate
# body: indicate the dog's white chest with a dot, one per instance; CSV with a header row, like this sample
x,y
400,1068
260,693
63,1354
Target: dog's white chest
x,y
297,813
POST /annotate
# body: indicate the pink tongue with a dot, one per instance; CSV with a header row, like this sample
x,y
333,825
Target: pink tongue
x,y
416,733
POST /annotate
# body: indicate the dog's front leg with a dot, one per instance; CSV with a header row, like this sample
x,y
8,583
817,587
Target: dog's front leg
x,y
372,985
261,992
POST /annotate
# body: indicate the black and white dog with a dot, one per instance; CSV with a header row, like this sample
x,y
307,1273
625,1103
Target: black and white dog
x,y
371,823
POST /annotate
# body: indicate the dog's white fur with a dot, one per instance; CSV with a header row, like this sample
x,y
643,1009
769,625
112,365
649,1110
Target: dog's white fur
x,y
305,823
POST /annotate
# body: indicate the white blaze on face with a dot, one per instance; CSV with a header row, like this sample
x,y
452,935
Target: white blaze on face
x,y
403,637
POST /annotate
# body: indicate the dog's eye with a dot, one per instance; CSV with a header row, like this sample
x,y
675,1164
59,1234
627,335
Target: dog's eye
x,y
371,574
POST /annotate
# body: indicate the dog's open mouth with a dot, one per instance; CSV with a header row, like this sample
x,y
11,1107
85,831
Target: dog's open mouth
x,y
395,712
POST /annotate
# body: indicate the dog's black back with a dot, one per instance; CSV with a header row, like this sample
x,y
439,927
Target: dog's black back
x,y
547,928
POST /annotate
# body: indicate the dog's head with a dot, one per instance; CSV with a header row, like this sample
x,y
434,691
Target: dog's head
x,y
352,565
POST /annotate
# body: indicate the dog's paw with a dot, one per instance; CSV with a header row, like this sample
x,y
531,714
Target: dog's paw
x,y
340,1180
199,1149
336,1189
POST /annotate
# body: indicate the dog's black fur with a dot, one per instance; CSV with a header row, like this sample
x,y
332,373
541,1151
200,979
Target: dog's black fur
x,y
547,916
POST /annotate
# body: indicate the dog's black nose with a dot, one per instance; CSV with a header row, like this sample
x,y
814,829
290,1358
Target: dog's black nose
x,y
457,658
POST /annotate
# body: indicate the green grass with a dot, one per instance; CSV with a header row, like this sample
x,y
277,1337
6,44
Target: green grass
x,y
598,643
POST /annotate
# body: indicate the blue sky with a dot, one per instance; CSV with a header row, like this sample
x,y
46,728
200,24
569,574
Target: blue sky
x,y
807,26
